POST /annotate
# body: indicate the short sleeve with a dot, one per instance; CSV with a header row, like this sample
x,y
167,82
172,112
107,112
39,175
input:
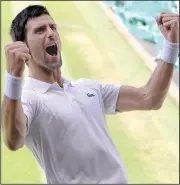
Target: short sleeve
x,y
29,104
110,93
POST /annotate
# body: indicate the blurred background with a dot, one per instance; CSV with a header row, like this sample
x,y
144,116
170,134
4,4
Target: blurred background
x,y
138,18
148,141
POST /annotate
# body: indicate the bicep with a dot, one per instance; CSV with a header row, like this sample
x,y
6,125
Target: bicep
x,y
131,98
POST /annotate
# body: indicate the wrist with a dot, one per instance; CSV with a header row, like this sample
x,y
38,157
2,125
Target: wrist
x,y
13,86
15,73
170,52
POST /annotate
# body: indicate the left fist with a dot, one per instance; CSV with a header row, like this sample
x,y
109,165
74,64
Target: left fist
x,y
168,24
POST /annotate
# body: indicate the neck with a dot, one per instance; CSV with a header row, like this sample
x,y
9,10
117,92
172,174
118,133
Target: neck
x,y
49,77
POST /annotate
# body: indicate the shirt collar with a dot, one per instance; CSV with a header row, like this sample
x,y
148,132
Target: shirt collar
x,y
42,87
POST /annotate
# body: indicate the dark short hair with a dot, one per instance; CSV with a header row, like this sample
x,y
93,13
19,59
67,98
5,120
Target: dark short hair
x,y
18,25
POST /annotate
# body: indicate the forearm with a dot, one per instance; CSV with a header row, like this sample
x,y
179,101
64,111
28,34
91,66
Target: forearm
x,y
14,123
152,95
159,82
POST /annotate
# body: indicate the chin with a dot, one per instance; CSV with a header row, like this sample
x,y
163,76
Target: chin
x,y
52,64
52,67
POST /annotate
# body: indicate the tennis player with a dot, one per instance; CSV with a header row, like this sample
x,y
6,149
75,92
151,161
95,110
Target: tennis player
x,y
63,122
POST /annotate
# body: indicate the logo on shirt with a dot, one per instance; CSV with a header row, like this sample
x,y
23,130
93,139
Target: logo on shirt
x,y
90,95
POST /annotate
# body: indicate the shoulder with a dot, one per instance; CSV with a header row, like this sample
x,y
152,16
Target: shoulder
x,y
31,103
29,93
30,97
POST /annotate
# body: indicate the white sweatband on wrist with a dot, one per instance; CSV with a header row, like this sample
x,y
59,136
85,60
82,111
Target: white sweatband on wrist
x,y
170,52
13,86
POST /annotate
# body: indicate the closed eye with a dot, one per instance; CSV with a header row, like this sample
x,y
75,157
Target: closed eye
x,y
53,27
40,29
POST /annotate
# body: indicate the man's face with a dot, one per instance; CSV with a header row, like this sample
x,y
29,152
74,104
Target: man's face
x,y
44,42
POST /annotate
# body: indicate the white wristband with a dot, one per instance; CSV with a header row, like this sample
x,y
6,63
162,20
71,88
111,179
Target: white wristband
x,y
170,52
13,86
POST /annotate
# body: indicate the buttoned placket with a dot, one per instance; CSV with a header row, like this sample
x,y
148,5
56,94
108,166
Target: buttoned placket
x,y
65,91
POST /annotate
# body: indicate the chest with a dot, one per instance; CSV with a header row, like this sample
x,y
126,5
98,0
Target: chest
x,y
73,100
68,110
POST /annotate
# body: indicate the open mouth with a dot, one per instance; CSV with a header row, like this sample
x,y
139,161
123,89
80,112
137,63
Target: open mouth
x,y
52,50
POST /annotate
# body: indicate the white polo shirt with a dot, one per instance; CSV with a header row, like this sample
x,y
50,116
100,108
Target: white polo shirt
x,y
67,131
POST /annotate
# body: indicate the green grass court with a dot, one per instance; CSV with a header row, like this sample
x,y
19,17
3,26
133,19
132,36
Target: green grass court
x,y
92,48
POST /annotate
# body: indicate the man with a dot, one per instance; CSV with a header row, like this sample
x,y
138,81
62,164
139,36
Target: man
x,y
63,122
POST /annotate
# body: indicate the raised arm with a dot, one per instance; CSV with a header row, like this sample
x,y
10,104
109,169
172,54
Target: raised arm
x,y
14,121
152,95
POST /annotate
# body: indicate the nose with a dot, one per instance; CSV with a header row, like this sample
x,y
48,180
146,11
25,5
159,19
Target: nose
x,y
50,33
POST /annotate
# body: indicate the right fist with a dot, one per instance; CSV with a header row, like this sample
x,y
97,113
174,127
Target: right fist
x,y
17,54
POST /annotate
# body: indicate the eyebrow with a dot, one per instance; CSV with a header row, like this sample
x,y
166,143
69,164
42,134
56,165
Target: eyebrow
x,y
43,27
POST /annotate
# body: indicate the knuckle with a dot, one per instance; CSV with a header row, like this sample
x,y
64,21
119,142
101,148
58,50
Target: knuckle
x,y
24,45
24,49
19,42
162,13
27,49
19,55
11,52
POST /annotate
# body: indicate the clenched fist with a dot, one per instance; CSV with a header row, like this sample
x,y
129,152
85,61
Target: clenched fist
x,y
17,54
168,24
